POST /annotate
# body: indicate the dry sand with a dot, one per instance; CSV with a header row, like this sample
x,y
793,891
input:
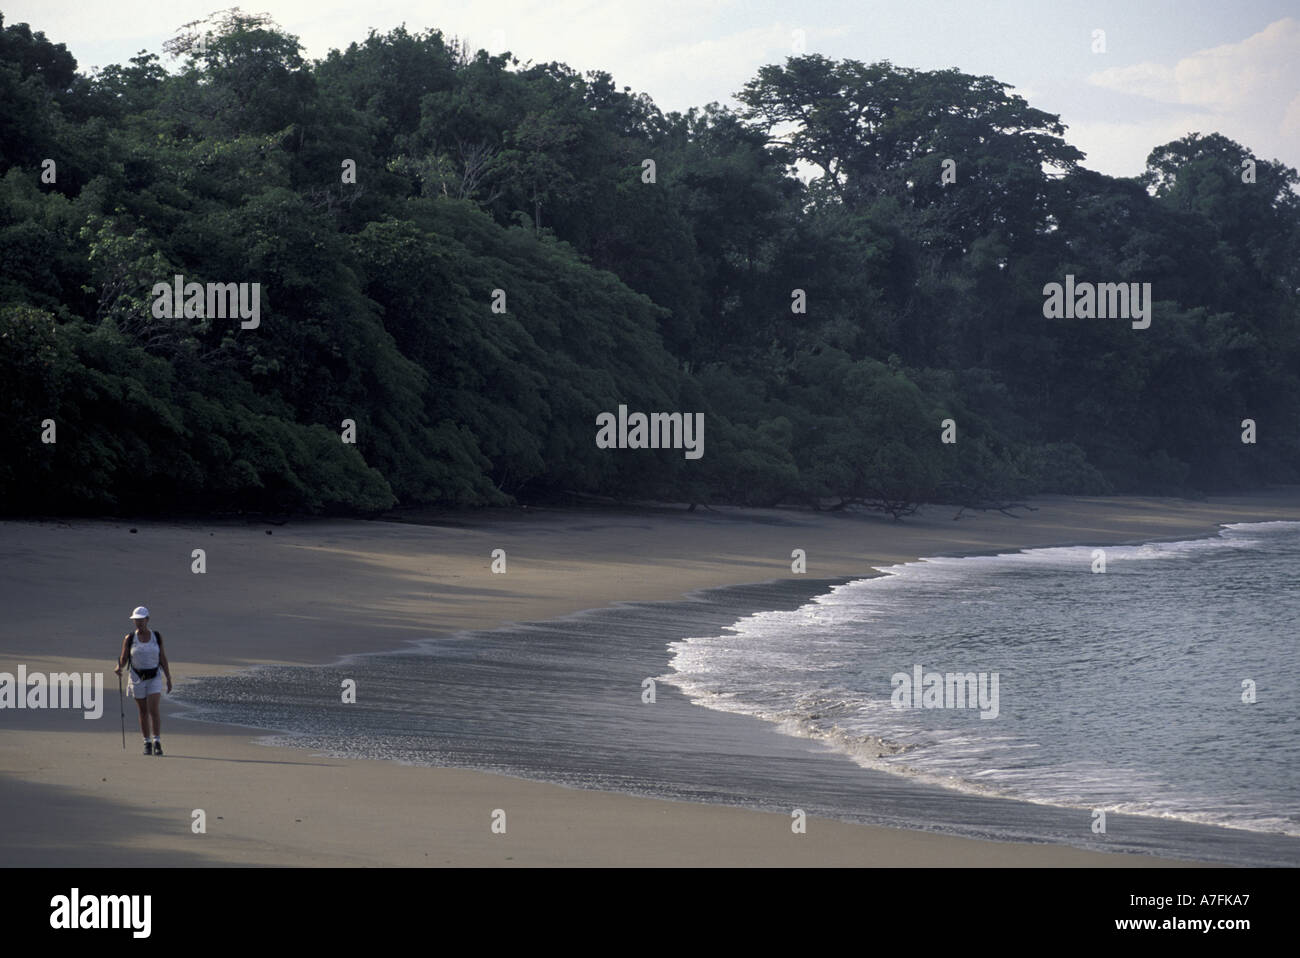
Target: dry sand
x,y
314,590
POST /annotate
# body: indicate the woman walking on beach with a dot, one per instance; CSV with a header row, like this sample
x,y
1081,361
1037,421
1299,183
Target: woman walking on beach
x,y
143,649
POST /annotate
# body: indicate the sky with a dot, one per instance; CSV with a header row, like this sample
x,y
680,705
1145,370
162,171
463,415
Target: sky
x,y
1158,70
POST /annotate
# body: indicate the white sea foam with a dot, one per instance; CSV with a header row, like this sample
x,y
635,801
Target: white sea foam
x,y
820,672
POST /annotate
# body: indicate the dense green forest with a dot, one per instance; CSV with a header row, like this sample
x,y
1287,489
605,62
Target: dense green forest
x,y
470,259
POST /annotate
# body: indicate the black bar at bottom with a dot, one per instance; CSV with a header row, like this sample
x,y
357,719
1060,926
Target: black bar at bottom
x,y
951,908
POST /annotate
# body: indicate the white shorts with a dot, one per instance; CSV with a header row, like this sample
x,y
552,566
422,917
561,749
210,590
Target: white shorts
x,y
143,688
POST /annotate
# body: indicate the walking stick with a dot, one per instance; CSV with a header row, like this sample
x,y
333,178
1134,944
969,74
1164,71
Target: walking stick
x,y
121,704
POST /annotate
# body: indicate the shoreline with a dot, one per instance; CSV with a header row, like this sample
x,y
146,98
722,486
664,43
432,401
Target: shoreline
x,y
884,795
382,561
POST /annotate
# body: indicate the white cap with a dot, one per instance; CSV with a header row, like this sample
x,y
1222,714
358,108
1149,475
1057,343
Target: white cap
x,y
140,613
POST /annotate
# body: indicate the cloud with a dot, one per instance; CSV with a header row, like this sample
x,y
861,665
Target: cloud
x,y
1244,90
1262,69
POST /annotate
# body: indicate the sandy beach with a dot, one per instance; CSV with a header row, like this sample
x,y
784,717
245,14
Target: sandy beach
x,y
307,592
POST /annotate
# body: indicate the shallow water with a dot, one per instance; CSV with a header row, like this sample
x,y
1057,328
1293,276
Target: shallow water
x,y
1120,690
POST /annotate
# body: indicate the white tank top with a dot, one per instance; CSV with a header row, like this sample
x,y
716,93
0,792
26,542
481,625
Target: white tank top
x,y
144,655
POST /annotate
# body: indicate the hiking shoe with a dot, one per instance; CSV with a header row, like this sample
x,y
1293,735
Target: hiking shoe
x,y
157,748
148,747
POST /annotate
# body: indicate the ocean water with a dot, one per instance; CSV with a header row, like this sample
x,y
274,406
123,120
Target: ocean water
x,y
1119,691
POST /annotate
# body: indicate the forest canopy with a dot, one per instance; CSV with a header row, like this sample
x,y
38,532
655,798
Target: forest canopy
x,y
469,259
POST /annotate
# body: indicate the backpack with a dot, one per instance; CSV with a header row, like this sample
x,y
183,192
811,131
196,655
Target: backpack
x,y
144,674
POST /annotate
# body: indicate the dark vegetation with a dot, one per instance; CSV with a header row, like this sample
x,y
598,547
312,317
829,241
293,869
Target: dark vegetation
x,y
476,173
